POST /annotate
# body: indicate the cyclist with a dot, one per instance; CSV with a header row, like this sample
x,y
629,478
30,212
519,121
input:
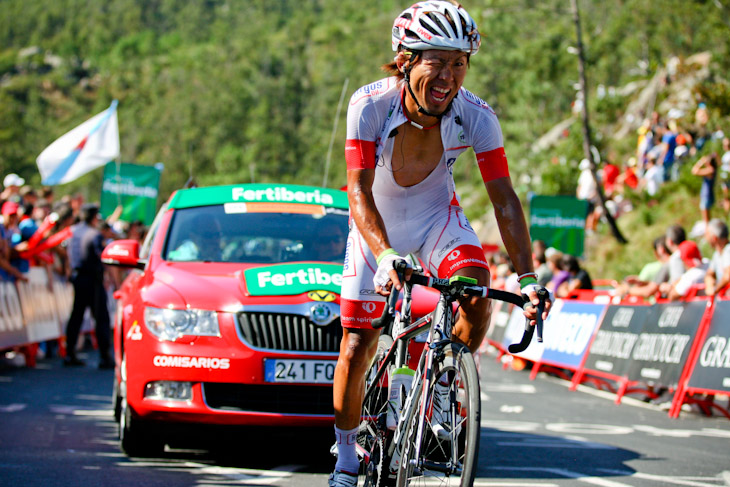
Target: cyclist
x,y
403,135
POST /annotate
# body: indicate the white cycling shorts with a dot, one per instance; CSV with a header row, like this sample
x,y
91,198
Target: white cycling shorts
x,y
443,244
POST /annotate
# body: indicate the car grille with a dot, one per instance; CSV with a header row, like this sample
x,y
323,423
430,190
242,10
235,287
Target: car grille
x,y
283,399
290,332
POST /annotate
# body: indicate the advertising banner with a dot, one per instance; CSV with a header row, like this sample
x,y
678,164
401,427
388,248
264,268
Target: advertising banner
x,y
712,368
559,221
133,186
663,345
611,350
567,332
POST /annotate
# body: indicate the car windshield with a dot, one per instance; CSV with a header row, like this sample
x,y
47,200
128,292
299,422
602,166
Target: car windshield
x,y
217,234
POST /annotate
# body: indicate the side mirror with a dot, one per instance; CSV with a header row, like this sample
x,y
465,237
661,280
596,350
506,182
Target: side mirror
x,y
123,253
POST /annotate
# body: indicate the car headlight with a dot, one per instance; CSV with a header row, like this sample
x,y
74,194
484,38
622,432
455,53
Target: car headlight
x,y
171,324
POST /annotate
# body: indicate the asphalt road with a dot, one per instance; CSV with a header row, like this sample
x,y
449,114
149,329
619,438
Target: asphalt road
x,y
57,429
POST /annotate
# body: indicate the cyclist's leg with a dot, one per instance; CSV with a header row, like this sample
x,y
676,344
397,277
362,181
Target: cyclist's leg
x,y
359,305
356,351
473,321
453,248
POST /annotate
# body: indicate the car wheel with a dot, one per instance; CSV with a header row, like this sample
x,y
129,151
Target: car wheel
x,y
137,438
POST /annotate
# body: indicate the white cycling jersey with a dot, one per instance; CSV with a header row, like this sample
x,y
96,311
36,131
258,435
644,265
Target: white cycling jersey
x,y
424,219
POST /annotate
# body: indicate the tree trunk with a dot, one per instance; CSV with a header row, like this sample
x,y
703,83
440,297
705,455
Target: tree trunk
x,y
586,126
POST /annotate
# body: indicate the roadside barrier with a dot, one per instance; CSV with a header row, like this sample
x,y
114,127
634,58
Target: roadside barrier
x,y
33,312
631,347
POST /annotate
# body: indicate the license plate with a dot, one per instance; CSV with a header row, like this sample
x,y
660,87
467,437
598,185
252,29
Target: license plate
x,y
299,371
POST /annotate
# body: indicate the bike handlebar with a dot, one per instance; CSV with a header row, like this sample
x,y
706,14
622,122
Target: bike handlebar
x,y
458,288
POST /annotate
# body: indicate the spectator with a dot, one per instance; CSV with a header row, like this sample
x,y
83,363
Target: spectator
x,y
652,275
544,274
628,177
674,236
666,156
87,277
653,177
694,273
706,168
7,271
718,273
12,183
725,174
560,275
578,277
588,191
610,176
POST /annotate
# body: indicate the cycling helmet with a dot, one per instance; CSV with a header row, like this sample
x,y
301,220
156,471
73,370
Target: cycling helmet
x,y
436,24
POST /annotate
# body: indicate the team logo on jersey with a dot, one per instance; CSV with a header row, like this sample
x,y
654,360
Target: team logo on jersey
x,y
462,137
368,307
454,255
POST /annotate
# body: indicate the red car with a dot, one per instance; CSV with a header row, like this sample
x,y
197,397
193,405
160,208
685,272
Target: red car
x,y
230,314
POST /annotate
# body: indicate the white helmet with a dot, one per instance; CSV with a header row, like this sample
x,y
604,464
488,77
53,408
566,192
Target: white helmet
x,y
436,24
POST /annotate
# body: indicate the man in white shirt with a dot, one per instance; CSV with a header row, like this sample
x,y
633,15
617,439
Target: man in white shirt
x,y
718,274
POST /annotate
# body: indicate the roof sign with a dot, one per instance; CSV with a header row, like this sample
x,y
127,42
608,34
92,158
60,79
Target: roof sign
x,y
259,193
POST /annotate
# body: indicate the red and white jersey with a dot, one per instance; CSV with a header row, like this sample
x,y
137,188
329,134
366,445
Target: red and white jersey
x,y
375,112
424,219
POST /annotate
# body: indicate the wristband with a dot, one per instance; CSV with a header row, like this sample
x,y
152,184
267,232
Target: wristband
x,y
527,274
526,281
385,253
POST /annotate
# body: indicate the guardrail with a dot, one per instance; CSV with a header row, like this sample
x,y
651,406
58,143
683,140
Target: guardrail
x,y
632,347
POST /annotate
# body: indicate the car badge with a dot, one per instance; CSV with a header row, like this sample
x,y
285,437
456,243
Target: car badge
x,y
325,296
321,314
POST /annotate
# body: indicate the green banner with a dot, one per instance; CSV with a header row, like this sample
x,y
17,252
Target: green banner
x,y
290,279
559,221
133,186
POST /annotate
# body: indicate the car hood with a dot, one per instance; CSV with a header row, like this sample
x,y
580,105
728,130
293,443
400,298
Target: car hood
x,y
226,287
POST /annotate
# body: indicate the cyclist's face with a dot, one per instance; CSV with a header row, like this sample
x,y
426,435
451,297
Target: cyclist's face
x,y
436,78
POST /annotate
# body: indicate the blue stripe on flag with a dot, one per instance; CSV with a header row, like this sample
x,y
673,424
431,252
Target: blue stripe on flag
x,y
57,175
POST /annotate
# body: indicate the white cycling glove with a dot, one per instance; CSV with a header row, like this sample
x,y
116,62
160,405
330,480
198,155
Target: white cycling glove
x,y
535,287
386,265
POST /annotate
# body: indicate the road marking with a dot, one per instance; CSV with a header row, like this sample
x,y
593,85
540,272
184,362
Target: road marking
x,y
511,388
555,443
511,409
581,477
12,408
664,479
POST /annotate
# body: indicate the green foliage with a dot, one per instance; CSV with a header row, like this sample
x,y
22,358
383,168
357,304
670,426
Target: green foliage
x,y
248,90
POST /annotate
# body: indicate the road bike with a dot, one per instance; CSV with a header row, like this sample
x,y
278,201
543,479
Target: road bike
x,y
420,450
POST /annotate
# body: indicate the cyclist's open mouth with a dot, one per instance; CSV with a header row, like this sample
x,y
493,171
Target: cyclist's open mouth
x,y
439,95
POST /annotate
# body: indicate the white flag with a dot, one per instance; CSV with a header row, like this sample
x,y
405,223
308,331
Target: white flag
x,y
90,145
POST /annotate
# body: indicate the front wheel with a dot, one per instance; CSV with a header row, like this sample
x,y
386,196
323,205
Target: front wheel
x,y
449,440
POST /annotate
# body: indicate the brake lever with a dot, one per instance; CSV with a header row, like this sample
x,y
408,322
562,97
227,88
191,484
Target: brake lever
x,y
542,295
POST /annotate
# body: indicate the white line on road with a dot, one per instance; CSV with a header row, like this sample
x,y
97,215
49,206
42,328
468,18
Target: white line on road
x,y
664,479
568,474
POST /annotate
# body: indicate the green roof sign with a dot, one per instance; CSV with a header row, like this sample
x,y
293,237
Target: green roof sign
x,y
259,193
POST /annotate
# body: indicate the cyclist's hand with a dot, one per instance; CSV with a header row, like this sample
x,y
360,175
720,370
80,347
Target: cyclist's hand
x,y
530,290
386,277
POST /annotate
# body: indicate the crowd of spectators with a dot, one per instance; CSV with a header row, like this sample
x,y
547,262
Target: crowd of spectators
x,y
32,216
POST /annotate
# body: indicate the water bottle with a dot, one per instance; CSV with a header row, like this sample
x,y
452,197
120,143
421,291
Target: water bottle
x,y
400,383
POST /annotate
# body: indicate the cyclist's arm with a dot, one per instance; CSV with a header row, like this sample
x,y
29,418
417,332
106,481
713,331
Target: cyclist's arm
x,y
512,224
513,228
366,214
363,209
